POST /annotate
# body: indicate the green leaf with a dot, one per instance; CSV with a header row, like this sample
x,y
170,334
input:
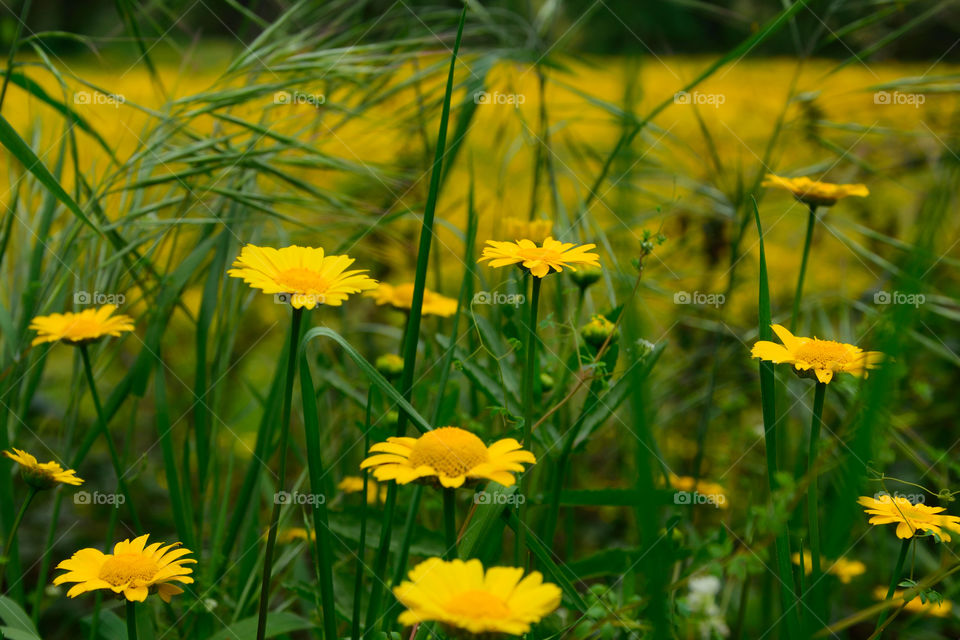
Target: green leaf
x,y
370,371
278,623
560,574
16,619
10,139
486,521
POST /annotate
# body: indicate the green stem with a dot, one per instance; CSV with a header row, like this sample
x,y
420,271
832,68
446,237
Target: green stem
x,y
284,440
811,222
131,620
102,425
814,602
529,384
13,535
895,578
412,335
781,542
362,545
404,554
450,523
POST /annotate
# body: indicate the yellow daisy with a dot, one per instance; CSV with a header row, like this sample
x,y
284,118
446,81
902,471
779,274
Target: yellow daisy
x,y
354,484
401,297
43,475
845,570
823,357
909,518
461,595
813,192
929,608
553,254
131,570
84,327
535,230
305,274
448,455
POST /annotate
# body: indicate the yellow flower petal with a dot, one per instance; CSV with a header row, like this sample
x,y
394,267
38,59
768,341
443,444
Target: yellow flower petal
x,y
448,456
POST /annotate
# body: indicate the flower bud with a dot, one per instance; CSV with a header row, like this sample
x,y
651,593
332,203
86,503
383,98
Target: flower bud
x,y
586,276
596,332
390,366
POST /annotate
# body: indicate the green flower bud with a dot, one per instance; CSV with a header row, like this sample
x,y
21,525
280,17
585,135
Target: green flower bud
x,y
596,332
390,366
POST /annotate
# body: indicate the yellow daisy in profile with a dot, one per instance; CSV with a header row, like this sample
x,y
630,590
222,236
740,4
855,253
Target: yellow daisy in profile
x,y
132,570
553,254
928,608
845,570
354,484
401,297
305,274
909,518
448,455
461,595
83,327
815,193
823,357
42,475
535,230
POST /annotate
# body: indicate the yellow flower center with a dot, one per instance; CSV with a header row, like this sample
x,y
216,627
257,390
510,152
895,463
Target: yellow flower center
x,y
450,451
298,280
821,353
478,604
540,254
128,567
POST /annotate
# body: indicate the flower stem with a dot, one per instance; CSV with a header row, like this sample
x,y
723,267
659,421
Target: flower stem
x,y
13,535
284,439
102,425
529,384
811,222
450,523
895,578
813,517
131,620
362,545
